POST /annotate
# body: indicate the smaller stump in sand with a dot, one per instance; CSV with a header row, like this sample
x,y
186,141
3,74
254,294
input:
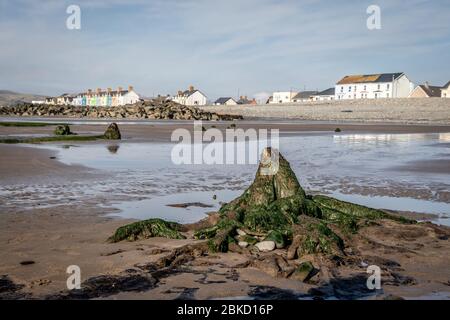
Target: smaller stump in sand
x,y
112,132
62,130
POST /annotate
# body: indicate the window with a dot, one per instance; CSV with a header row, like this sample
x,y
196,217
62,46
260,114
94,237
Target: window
x,y
365,88
355,88
376,95
387,95
379,86
349,89
388,86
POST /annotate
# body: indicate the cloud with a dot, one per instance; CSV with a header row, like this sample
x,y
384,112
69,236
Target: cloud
x,y
219,46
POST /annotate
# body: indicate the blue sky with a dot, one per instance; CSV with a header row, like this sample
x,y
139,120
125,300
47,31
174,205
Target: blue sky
x,y
220,47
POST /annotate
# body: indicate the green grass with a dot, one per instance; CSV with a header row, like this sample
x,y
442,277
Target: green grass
x,y
27,124
51,139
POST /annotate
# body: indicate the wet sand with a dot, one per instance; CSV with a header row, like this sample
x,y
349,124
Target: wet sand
x,y
75,234
161,131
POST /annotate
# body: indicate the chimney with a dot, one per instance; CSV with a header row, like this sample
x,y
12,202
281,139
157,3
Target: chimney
x,y
89,91
191,88
119,89
130,88
109,90
99,90
180,92
427,85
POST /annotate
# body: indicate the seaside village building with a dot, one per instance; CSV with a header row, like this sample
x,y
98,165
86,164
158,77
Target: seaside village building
x,y
304,96
227,101
326,95
426,91
283,96
373,86
97,98
246,100
445,92
191,97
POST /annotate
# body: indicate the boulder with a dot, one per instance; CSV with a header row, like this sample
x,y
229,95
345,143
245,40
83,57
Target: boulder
x,y
265,246
112,132
243,244
277,237
303,272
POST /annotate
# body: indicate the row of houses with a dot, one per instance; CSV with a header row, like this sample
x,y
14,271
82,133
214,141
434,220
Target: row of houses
x,y
98,97
371,86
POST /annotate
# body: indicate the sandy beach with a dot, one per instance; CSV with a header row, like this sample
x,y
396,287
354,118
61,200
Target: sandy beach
x,y
40,240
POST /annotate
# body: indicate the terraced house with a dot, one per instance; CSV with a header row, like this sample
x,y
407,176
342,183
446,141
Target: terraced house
x,y
373,86
98,98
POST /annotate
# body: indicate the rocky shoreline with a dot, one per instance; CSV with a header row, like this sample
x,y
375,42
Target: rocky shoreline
x,y
151,109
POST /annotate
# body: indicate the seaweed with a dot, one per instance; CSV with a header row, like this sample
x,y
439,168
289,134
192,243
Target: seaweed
x,y
147,229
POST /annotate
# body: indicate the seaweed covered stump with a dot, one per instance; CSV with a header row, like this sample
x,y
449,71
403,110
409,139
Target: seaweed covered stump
x,y
276,208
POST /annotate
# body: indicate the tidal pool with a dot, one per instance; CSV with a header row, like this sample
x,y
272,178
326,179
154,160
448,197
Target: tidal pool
x,y
378,170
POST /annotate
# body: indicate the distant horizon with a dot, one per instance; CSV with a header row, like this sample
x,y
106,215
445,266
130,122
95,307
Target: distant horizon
x,y
250,48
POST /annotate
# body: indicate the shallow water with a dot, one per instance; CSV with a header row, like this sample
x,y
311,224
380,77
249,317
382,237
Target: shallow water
x,y
371,169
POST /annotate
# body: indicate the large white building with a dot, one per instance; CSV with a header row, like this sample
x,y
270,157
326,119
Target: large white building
x,y
191,97
373,86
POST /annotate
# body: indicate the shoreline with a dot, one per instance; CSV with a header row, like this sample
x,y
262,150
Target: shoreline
x,y
80,238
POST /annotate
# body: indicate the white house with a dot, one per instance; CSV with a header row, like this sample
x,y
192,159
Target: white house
x,y
373,86
445,92
283,96
228,101
326,95
191,97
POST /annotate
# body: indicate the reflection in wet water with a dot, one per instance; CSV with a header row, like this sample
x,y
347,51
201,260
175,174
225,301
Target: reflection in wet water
x,y
113,148
445,137
357,164
380,138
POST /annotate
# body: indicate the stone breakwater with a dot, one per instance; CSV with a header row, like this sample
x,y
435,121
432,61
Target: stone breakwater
x,y
153,109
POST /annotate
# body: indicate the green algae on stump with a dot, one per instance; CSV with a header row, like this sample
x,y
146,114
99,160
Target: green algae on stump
x,y
147,229
112,132
62,130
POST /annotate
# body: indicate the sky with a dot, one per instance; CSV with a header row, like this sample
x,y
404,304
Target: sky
x,y
223,48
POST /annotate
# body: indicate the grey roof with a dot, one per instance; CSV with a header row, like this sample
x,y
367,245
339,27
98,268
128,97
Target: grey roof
x,y
222,100
431,91
446,85
387,77
188,93
305,94
328,92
